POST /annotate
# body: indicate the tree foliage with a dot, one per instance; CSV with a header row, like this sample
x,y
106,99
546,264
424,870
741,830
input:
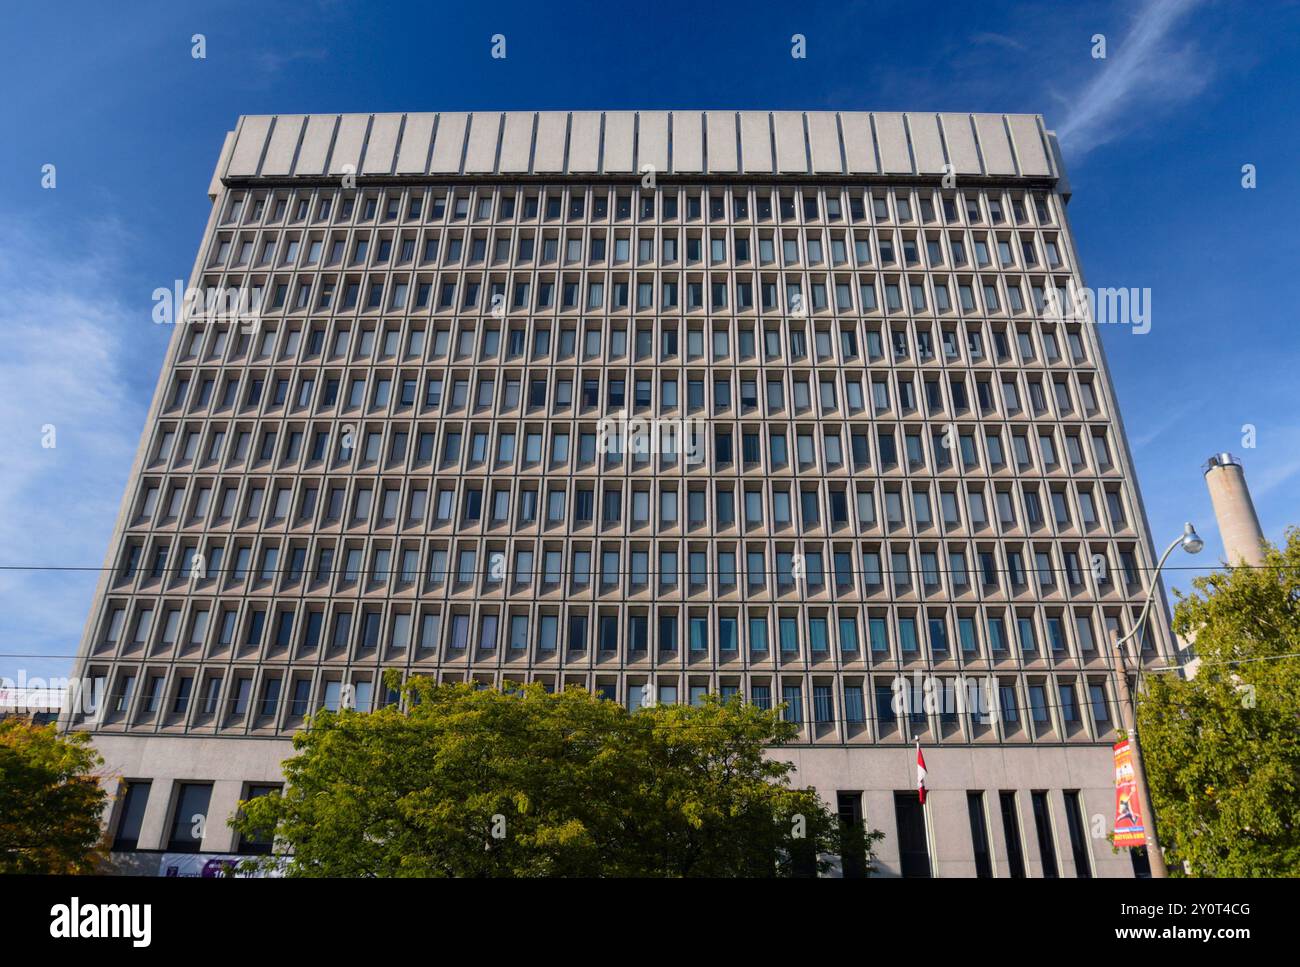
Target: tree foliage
x,y
1222,750
50,800
476,782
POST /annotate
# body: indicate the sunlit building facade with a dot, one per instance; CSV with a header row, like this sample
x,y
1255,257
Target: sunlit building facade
x,y
658,404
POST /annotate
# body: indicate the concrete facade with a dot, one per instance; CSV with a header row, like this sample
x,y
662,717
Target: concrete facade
x,y
912,477
230,765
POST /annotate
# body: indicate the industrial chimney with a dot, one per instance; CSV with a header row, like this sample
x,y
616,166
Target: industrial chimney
x,y
1243,541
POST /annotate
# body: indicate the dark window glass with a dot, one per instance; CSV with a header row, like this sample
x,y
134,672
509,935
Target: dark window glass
x,y
1078,838
1011,829
1043,825
189,818
260,842
913,845
853,844
979,834
131,816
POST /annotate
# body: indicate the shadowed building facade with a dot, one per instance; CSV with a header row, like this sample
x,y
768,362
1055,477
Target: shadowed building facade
x,y
890,489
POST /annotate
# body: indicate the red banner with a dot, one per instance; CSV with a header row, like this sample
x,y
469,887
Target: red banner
x,y
1128,811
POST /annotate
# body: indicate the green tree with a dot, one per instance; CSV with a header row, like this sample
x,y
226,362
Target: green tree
x,y
476,782
1222,750
50,800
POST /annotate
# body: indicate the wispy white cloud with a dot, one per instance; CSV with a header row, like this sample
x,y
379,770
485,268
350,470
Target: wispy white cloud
x,y
1273,474
1144,71
994,39
274,61
63,338
1150,434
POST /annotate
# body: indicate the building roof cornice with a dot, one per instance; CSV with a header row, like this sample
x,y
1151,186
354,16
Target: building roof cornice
x,y
292,148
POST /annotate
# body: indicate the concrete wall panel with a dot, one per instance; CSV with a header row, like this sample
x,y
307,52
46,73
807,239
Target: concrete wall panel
x,y
791,151
924,129
994,145
349,141
859,145
481,150
824,139
448,143
517,141
961,144
283,145
1028,143
620,132
722,142
249,145
756,142
584,142
891,137
382,146
652,140
417,136
688,142
552,129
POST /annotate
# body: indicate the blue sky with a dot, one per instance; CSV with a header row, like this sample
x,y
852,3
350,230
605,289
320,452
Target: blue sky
x,y
1155,136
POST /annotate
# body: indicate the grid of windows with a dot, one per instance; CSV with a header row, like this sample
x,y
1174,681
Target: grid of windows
x,y
891,454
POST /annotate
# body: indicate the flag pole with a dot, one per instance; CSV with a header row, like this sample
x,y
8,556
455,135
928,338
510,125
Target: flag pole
x,y
920,773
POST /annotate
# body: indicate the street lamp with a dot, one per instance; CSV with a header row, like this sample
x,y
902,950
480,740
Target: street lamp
x,y
1191,542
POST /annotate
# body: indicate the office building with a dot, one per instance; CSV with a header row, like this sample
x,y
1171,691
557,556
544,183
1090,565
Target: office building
x,y
787,406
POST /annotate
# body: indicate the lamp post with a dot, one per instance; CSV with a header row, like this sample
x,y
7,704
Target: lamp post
x,y
1191,542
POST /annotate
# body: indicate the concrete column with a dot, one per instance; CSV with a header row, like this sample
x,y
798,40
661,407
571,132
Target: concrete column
x,y
1243,540
950,836
1029,834
153,828
878,807
218,837
1061,827
997,834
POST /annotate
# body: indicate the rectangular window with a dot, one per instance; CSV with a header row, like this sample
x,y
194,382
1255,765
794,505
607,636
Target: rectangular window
x,y
913,843
1043,826
855,712
1078,838
699,634
1100,709
822,707
792,698
255,844
879,636
1011,830
548,633
885,713
189,817
852,847
979,834
131,816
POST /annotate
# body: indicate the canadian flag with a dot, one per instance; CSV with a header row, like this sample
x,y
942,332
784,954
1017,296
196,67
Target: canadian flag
x,y
920,773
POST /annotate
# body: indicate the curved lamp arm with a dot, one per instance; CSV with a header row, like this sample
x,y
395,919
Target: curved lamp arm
x,y
1190,540
1151,596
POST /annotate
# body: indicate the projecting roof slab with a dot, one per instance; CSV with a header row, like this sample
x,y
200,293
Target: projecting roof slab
x,y
580,143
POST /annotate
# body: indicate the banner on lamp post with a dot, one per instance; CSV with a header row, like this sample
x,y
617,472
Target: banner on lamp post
x,y
1129,830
